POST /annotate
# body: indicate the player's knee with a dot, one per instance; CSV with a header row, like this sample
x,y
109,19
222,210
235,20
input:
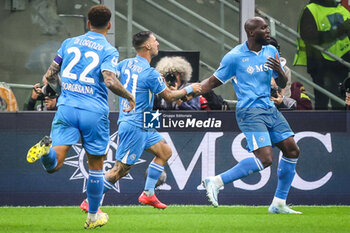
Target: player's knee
x,y
51,171
294,153
113,174
167,153
124,172
266,161
56,169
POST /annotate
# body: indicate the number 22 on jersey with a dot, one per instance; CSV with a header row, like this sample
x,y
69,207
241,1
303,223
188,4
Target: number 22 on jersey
x,y
90,66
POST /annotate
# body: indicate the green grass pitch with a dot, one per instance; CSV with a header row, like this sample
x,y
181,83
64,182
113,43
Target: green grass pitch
x,y
187,219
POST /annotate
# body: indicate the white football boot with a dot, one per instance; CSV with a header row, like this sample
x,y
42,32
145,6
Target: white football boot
x,y
282,209
212,191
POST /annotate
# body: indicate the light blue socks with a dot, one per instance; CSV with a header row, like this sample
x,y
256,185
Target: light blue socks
x,y
49,161
153,174
285,175
242,169
94,190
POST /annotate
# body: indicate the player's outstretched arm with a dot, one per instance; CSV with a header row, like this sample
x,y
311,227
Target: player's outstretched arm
x,y
52,76
210,83
117,88
173,95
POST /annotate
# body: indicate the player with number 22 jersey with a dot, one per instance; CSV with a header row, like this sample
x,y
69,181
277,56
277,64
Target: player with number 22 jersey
x,y
82,83
87,66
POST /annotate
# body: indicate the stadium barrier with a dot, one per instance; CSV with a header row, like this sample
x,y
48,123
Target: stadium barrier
x,y
203,144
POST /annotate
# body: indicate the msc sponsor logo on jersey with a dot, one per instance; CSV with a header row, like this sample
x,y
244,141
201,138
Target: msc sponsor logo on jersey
x,y
151,120
250,70
258,68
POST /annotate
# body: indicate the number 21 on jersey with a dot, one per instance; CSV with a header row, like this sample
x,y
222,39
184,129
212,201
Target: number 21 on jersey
x,y
134,78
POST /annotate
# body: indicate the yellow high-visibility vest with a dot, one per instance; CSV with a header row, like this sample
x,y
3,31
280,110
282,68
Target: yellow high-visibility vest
x,y
322,15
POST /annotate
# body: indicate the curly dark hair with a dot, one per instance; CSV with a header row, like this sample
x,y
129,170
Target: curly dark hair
x,y
99,16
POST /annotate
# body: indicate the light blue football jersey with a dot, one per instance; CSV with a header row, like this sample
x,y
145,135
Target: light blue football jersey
x,y
143,81
83,60
251,77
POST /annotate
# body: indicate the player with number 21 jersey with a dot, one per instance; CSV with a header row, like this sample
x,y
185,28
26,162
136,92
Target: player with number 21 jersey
x,y
142,81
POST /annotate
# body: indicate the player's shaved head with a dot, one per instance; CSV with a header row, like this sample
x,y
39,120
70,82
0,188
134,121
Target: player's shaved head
x,y
252,23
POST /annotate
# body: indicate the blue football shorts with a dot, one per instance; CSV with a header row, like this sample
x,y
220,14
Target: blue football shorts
x,y
71,123
133,140
263,127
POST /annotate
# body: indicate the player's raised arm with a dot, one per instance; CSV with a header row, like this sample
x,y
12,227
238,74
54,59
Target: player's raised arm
x,y
210,83
275,64
117,88
52,75
173,95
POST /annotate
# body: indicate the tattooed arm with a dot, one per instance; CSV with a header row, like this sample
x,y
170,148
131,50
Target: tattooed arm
x,y
117,88
53,77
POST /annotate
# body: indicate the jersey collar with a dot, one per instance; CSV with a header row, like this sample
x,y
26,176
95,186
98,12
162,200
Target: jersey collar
x,y
246,49
143,60
95,34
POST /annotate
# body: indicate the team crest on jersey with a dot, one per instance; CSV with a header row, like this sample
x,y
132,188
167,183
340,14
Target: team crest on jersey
x,y
151,120
114,61
261,139
250,70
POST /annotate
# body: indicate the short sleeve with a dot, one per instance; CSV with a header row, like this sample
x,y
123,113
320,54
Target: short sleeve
x,y
110,62
227,68
61,49
155,82
120,66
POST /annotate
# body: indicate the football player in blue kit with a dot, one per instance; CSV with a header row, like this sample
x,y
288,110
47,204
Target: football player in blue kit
x,y
143,82
87,65
250,67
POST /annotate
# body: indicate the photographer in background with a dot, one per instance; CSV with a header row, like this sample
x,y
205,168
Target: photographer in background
x,y
282,102
176,71
43,98
285,91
